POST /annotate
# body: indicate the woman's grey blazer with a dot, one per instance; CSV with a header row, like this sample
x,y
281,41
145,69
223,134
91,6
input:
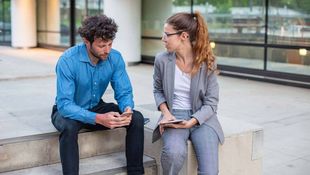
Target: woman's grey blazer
x,y
204,92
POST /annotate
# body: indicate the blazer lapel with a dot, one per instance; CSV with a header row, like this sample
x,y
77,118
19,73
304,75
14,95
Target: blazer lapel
x,y
170,78
194,88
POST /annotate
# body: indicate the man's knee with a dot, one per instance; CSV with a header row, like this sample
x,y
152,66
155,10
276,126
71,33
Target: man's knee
x,y
67,126
137,118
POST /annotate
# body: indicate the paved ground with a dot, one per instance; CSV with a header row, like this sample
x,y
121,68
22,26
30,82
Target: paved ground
x,y
27,90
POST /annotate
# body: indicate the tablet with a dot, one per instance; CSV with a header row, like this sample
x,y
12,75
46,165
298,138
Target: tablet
x,y
176,121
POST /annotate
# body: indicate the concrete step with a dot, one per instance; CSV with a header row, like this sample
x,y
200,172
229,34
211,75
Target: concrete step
x,y
114,163
43,149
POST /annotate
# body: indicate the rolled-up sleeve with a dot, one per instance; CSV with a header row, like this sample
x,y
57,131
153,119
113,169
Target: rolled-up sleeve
x,y
65,94
121,85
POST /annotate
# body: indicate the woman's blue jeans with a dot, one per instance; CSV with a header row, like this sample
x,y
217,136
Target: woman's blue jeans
x,y
204,140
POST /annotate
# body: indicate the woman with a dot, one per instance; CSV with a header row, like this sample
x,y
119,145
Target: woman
x,y
185,87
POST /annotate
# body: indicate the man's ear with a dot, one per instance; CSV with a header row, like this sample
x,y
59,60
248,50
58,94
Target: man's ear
x,y
85,41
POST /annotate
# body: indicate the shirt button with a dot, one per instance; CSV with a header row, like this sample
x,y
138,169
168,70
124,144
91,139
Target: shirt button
x,y
95,83
94,95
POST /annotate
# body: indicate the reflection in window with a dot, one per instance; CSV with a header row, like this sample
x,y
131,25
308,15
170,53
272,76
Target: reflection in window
x,y
53,21
239,20
151,47
289,22
153,21
289,60
239,56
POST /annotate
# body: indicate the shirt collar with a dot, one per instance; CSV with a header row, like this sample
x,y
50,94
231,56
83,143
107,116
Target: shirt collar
x,y
83,54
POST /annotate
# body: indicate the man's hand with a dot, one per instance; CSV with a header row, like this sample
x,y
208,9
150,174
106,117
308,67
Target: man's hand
x,y
128,114
112,120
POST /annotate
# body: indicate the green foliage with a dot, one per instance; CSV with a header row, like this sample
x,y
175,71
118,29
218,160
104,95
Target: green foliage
x,y
301,5
223,6
181,2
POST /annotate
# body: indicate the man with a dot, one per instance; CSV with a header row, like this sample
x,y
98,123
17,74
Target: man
x,y
83,74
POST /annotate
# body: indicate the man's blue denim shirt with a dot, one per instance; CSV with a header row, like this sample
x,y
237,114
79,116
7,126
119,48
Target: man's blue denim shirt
x,y
80,84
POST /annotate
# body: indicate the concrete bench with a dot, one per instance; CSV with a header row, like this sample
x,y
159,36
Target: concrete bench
x,y
241,153
101,152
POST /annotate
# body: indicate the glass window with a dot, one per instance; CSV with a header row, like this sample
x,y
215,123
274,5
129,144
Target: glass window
x,y
289,60
5,21
65,22
95,7
150,47
238,20
239,56
85,8
153,22
289,22
80,14
53,21
1,22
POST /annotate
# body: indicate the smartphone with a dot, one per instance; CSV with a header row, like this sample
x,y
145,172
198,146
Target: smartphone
x,y
146,120
173,121
126,114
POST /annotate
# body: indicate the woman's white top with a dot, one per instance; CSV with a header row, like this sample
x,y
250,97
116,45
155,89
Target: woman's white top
x,y
182,84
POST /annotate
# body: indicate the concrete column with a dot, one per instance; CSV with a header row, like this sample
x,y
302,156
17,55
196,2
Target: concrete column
x,y
53,22
127,14
23,21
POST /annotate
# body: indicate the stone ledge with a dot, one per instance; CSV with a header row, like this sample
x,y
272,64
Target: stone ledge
x,y
241,153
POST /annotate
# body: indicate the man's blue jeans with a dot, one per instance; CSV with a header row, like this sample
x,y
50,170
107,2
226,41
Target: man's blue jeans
x,y
68,139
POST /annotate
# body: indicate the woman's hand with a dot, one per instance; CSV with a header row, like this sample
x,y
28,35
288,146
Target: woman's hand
x,y
165,118
185,124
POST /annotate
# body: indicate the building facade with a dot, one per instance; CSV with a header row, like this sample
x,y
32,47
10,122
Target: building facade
x,y
261,39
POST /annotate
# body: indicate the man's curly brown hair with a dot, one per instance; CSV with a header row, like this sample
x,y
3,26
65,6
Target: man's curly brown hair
x,y
99,26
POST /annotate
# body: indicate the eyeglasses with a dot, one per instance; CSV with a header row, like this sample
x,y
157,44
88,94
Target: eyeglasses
x,y
166,35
